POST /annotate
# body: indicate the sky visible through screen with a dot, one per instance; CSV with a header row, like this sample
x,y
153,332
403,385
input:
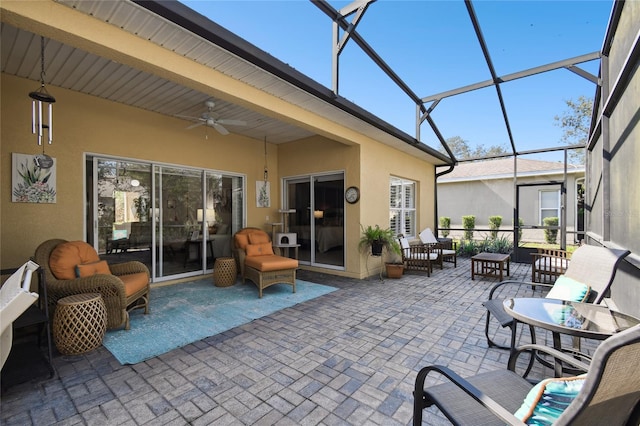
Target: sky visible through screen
x,y
432,46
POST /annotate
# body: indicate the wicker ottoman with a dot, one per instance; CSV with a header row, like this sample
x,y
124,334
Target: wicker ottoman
x,y
224,272
79,323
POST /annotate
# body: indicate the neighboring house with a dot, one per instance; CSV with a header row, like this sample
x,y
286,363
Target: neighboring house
x,y
539,187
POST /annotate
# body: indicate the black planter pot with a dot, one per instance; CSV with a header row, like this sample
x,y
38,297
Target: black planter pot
x,y
376,248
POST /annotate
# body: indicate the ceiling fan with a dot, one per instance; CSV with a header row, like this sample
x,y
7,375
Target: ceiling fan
x,y
209,120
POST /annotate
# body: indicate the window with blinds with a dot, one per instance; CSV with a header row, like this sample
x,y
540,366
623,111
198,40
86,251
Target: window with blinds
x,y
549,204
402,206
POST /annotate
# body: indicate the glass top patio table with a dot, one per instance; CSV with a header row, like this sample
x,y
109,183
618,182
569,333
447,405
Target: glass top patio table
x,y
573,318
565,317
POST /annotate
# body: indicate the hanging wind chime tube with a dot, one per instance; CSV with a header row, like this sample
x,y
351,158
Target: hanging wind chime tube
x,y
266,171
39,97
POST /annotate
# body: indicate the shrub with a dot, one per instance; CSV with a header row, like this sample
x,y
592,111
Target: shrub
x,y
501,245
550,235
494,225
468,223
467,248
489,245
445,224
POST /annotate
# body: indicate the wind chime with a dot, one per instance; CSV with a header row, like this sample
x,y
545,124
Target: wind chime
x,y
38,126
266,171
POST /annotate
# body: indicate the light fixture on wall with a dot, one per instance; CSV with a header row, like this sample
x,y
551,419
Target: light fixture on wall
x,y
40,97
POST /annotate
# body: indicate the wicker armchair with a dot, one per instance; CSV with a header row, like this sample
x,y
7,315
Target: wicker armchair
x,y
125,289
256,262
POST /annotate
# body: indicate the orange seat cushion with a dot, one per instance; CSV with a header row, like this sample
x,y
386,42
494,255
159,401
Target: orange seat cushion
x,y
270,263
89,269
66,256
133,283
262,249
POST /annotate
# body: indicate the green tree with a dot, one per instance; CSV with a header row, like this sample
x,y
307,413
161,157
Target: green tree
x,y
462,151
575,123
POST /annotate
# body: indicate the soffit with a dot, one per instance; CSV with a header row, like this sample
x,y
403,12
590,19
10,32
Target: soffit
x,y
86,72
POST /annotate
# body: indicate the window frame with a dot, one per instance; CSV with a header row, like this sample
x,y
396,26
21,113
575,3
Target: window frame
x,y
407,211
542,209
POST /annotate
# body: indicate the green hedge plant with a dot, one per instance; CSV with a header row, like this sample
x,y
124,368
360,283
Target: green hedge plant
x,y
468,223
550,235
445,224
494,225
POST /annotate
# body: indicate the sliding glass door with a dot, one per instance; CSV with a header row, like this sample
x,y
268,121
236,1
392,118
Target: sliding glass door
x,y
174,219
318,220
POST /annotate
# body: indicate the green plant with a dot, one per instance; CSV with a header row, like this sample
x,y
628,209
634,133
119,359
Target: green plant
x,y
550,235
494,225
468,223
467,248
445,224
373,236
520,224
500,245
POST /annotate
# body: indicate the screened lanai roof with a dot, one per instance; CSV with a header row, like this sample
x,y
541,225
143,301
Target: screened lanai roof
x,y
491,72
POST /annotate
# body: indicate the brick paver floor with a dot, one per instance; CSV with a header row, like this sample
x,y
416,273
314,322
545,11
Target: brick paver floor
x,y
347,358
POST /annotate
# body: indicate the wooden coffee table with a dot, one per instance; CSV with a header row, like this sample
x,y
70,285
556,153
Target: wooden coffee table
x,y
489,265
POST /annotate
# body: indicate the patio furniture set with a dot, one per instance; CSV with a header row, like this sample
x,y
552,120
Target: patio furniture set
x,y
428,251
95,299
607,387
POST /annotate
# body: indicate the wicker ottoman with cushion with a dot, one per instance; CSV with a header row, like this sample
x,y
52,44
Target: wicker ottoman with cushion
x,y
79,323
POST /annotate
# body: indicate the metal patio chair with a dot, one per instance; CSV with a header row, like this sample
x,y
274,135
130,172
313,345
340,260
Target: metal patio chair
x,y
609,395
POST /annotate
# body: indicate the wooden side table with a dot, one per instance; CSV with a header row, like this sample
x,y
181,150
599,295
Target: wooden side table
x,y
489,265
79,323
224,272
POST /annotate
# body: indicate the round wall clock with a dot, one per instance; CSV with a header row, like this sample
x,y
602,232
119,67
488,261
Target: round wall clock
x,y
352,194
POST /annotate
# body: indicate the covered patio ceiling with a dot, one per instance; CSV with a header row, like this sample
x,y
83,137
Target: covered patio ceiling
x,y
176,27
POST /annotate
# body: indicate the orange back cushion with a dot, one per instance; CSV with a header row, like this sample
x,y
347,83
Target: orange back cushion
x,y
258,237
242,240
66,256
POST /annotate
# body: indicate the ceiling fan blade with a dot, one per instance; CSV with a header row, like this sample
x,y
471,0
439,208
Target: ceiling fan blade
x,y
194,125
220,128
232,122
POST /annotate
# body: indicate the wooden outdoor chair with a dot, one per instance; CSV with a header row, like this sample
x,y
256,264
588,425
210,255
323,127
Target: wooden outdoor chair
x,y
417,256
447,251
609,393
548,264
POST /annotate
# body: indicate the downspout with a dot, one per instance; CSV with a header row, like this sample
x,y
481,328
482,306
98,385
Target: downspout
x,y
435,196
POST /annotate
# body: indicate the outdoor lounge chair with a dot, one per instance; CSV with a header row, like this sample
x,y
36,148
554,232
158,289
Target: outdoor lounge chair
x,y
74,267
15,299
548,264
608,395
257,262
595,266
417,256
447,252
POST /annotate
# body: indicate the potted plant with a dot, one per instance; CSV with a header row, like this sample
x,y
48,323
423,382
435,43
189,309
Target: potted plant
x,y
376,238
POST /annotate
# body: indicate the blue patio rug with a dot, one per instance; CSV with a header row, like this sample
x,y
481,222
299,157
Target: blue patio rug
x,y
184,313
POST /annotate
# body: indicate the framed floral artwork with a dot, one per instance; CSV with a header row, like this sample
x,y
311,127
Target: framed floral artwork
x,y
31,183
263,194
